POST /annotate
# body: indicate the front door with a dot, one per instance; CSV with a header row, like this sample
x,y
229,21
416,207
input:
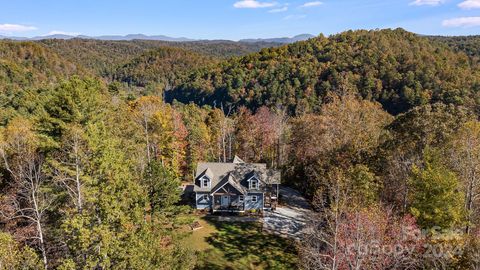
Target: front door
x,y
225,200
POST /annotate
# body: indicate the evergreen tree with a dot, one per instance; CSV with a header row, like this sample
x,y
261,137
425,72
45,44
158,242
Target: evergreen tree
x,y
436,197
163,187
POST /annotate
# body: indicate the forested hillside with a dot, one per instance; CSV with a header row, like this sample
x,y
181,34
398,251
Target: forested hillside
x,y
398,69
379,130
165,66
104,56
26,64
467,44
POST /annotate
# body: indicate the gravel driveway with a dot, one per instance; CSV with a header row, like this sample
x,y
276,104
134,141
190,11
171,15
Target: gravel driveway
x,y
290,218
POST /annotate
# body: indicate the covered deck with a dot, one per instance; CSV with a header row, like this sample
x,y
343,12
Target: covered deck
x,y
228,202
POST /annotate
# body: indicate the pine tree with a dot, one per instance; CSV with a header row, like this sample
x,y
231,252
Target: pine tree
x,y
437,201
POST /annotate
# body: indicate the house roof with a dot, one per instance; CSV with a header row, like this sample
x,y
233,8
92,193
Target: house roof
x,y
232,181
207,173
238,171
236,159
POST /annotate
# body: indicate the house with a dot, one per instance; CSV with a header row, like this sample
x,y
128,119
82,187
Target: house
x,y
235,186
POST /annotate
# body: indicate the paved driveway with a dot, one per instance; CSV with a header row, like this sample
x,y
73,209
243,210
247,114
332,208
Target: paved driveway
x,y
290,218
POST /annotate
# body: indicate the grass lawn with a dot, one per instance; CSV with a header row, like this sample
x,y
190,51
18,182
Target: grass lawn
x,y
240,245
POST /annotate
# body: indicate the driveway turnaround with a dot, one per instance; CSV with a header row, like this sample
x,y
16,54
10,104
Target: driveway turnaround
x,y
290,218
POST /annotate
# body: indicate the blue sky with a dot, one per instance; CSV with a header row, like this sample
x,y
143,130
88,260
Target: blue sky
x,y
235,19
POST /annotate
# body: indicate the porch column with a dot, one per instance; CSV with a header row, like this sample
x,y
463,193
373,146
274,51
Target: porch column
x,y
213,202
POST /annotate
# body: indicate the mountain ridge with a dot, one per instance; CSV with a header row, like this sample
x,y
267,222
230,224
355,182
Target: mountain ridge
x,y
394,67
283,40
129,37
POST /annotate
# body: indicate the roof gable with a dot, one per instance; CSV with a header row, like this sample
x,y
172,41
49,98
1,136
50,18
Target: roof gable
x,y
237,160
229,180
254,175
208,173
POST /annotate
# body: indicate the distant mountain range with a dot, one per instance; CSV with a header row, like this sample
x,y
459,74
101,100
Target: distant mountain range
x,y
106,37
283,40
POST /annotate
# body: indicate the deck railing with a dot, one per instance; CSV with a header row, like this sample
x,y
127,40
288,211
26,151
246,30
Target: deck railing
x,y
231,207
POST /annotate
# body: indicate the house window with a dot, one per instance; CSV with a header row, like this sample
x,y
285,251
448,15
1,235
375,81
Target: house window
x,y
205,182
254,198
204,197
254,184
241,198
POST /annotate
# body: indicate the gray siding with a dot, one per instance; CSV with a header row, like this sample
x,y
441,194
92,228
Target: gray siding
x,y
234,200
249,205
201,203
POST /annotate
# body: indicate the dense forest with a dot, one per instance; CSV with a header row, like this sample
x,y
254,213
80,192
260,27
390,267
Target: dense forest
x,y
378,129
26,64
398,69
466,44
165,66
103,56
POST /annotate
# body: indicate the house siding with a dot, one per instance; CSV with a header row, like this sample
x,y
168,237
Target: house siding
x,y
234,205
234,201
201,203
258,205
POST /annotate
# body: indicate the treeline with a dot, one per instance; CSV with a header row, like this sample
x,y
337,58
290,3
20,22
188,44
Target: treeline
x,y
164,67
142,67
26,64
467,44
103,57
396,68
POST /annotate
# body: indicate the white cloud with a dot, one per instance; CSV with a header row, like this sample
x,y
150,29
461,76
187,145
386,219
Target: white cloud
x,y
427,2
470,4
11,28
294,17
311,4
277,10
253,4
56,32
462,22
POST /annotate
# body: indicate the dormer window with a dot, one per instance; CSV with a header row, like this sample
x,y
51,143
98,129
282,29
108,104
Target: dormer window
x,y
253,183
205,182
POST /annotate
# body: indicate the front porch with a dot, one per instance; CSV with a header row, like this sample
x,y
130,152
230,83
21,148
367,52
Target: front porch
x,y
240,203
228,203
231,197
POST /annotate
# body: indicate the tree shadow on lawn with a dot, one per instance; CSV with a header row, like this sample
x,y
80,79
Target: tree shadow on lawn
x,y
244,246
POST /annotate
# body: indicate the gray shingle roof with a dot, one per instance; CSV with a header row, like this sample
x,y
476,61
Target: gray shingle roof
x,y
232,181
218,172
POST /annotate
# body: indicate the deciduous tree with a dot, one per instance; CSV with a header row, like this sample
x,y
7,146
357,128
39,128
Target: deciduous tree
x,y
464,152
28,197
